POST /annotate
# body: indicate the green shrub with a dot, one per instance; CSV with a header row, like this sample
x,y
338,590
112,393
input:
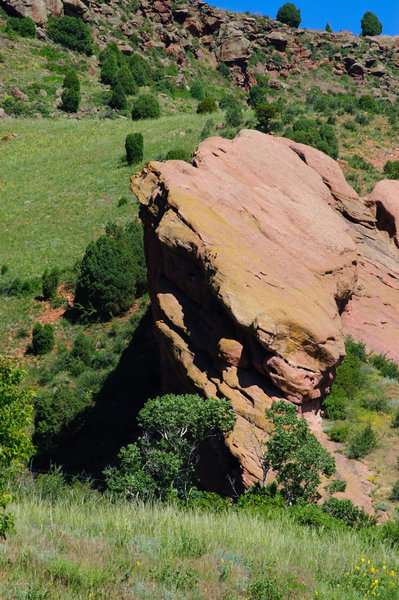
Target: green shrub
x,y
289,14
25,27
228,101
257,95
109,70
357,162
42,338
319,135
335,404
386,366
197,91
347,512
134,145
363,442
207,105
368,103
134,232
223,69
370,24
312,516
83,348
339,485
234,116
261,498
375,399
264,588
50,281
391,169
207,501
70,32
266,113
118,98
339,432
207,130
394,496
178,154
71,81
70,100
125,79
146,107
109,271
140,69
55,413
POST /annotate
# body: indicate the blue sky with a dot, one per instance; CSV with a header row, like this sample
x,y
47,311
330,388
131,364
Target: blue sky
x,y
315,14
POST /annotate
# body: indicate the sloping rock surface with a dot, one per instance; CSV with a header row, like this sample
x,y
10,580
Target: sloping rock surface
x,y
261,259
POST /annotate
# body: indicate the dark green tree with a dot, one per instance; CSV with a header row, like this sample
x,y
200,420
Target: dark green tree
x,y
328,28
370,24
197,90
289,14
16,411
70,100
70,32
134,145
106,284
163,460
362,442
109,70
391,169
140,70
125,79
146,107
71,80
266,114
25,27
118,98
234,116
42,338
295,454
50,281
207,105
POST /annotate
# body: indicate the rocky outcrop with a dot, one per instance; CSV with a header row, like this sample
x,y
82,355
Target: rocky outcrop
x,y
40,10
262,258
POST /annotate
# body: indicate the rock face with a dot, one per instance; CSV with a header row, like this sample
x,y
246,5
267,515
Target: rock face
x,y
262,258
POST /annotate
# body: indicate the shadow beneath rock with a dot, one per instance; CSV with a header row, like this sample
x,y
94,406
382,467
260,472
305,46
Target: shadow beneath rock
x,y
111,422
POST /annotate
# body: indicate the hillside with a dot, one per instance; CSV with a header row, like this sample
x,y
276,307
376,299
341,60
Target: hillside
x,y
262,260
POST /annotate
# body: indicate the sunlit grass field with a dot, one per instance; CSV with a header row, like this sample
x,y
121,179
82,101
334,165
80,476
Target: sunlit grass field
x,y
61,180
79,545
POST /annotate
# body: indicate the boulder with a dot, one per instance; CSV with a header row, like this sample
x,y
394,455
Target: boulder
x,y
278,40
230,45
35,9
250,266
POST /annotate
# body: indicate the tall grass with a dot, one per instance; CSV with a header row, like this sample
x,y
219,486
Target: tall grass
x,y
81,545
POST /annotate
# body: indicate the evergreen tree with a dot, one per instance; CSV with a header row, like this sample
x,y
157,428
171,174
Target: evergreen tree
x,y
126,80
289,14
118,98
370,24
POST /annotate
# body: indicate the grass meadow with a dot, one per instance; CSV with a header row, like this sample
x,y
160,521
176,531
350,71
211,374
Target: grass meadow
x,y
77,545
61,180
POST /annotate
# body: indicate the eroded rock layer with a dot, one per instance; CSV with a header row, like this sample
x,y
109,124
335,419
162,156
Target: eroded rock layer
x,y
255,250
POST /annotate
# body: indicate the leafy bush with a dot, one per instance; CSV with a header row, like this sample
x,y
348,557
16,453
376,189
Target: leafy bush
x,y
289,14
319,135
335,404
146,107
140,69
368,103
111,271
394,496
42,338
208,501
207,105
391,169
295,454
348,513
50,281
312,516
71,80
25,27
207,130
134,146
386,366
70,100
83,348
118,98
264,588
125,79
161,463
178,154
363,442
261,498
339,432
109,70
223,69
395,420
197,91
234,116
370,24
70,32
266,113
257,95
339,485
55,412
357,162
375,399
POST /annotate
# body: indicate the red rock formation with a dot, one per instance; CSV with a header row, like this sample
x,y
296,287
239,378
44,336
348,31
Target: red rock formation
x,y
261,259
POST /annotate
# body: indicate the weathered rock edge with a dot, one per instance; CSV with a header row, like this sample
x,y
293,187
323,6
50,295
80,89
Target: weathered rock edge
x,y
253,256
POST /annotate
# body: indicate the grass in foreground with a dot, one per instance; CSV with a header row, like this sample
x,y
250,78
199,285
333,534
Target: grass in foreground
x,y
78,544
